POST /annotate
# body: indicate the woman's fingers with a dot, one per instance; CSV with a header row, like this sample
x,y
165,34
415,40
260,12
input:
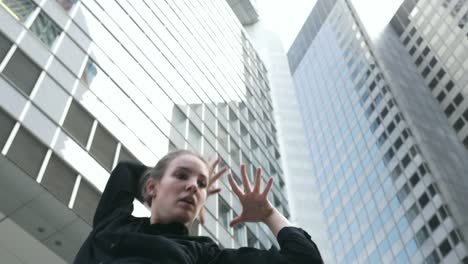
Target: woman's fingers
x,y
268,187
234,186
245,180
214,191
218,175
215,163
236,221
258,180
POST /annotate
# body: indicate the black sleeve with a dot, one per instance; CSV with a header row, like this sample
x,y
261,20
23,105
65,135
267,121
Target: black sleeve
x,y
120,191
296,247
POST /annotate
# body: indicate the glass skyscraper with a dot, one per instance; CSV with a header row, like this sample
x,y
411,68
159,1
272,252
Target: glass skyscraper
x,y
390,167
86,84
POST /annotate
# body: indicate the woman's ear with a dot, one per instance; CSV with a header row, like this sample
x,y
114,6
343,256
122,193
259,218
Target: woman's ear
x,y
151,188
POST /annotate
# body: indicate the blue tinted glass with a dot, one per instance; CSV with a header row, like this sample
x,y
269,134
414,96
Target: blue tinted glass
x,y
403,224
411,247
402,258
374,257
368,236
384,246
393,235
386,214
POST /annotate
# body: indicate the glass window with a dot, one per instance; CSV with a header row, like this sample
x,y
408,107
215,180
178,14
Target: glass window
x,y
434,222
103,147
449,86
421,235
443,212
45,29
459,124
455,237
251,239
465,114
223,212
125,155
433,83
433,258
414,179
403,192
19,9
445,247
6,126
449,110
406,160
458,99
27,152
194,137
86,201
412,213
239,233
78,123
59,179
423,200
222,136
90,71
441,96
22,72
5,45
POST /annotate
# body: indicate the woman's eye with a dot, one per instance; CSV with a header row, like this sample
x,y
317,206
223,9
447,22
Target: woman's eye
x,y
181,176
202,184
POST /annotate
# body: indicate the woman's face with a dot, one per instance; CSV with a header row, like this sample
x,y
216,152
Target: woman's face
x,y
181,192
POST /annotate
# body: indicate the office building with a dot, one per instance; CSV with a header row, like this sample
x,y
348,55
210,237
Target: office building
x,y
390,166
86,84
302,192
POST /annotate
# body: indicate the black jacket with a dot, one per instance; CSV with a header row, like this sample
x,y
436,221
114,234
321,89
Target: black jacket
x,y
119,237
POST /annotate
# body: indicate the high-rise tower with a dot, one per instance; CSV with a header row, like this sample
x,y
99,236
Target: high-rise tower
x,y
86,84
390,168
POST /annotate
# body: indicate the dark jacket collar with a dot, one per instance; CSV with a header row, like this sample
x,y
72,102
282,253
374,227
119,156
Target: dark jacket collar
x,y
166,229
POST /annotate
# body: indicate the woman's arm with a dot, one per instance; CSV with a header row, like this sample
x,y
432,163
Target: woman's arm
x,y
296,245
120,191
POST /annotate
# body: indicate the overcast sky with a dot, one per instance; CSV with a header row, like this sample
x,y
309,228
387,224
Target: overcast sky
x,y
285,17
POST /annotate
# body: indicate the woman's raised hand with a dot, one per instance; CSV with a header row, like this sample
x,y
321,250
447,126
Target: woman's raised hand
x,y
255,204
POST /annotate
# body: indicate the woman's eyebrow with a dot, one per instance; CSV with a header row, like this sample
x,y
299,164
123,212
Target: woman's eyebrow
x,y
186,169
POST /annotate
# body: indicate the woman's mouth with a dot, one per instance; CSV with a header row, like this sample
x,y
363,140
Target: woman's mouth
x,y
188,201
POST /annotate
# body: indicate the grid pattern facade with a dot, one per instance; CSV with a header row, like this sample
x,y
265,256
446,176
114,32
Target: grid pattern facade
x,y
86,84
436,37
382,202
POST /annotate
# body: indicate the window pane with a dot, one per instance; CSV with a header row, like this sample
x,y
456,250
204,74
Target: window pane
x,y
6,125
45,29
125,155
22,71
78,123
5,45
194,137
20,9
103,147
89,72
223,212
251,239
59,179
27,152
86,201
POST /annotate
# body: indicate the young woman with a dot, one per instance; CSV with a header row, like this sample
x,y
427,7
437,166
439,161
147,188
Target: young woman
x,y
176,190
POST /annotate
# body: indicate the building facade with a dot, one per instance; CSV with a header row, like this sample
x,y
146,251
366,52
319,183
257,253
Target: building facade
x,y
304,199
390,167
86,84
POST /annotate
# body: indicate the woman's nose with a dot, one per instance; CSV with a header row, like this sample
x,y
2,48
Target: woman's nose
x,y
192,186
